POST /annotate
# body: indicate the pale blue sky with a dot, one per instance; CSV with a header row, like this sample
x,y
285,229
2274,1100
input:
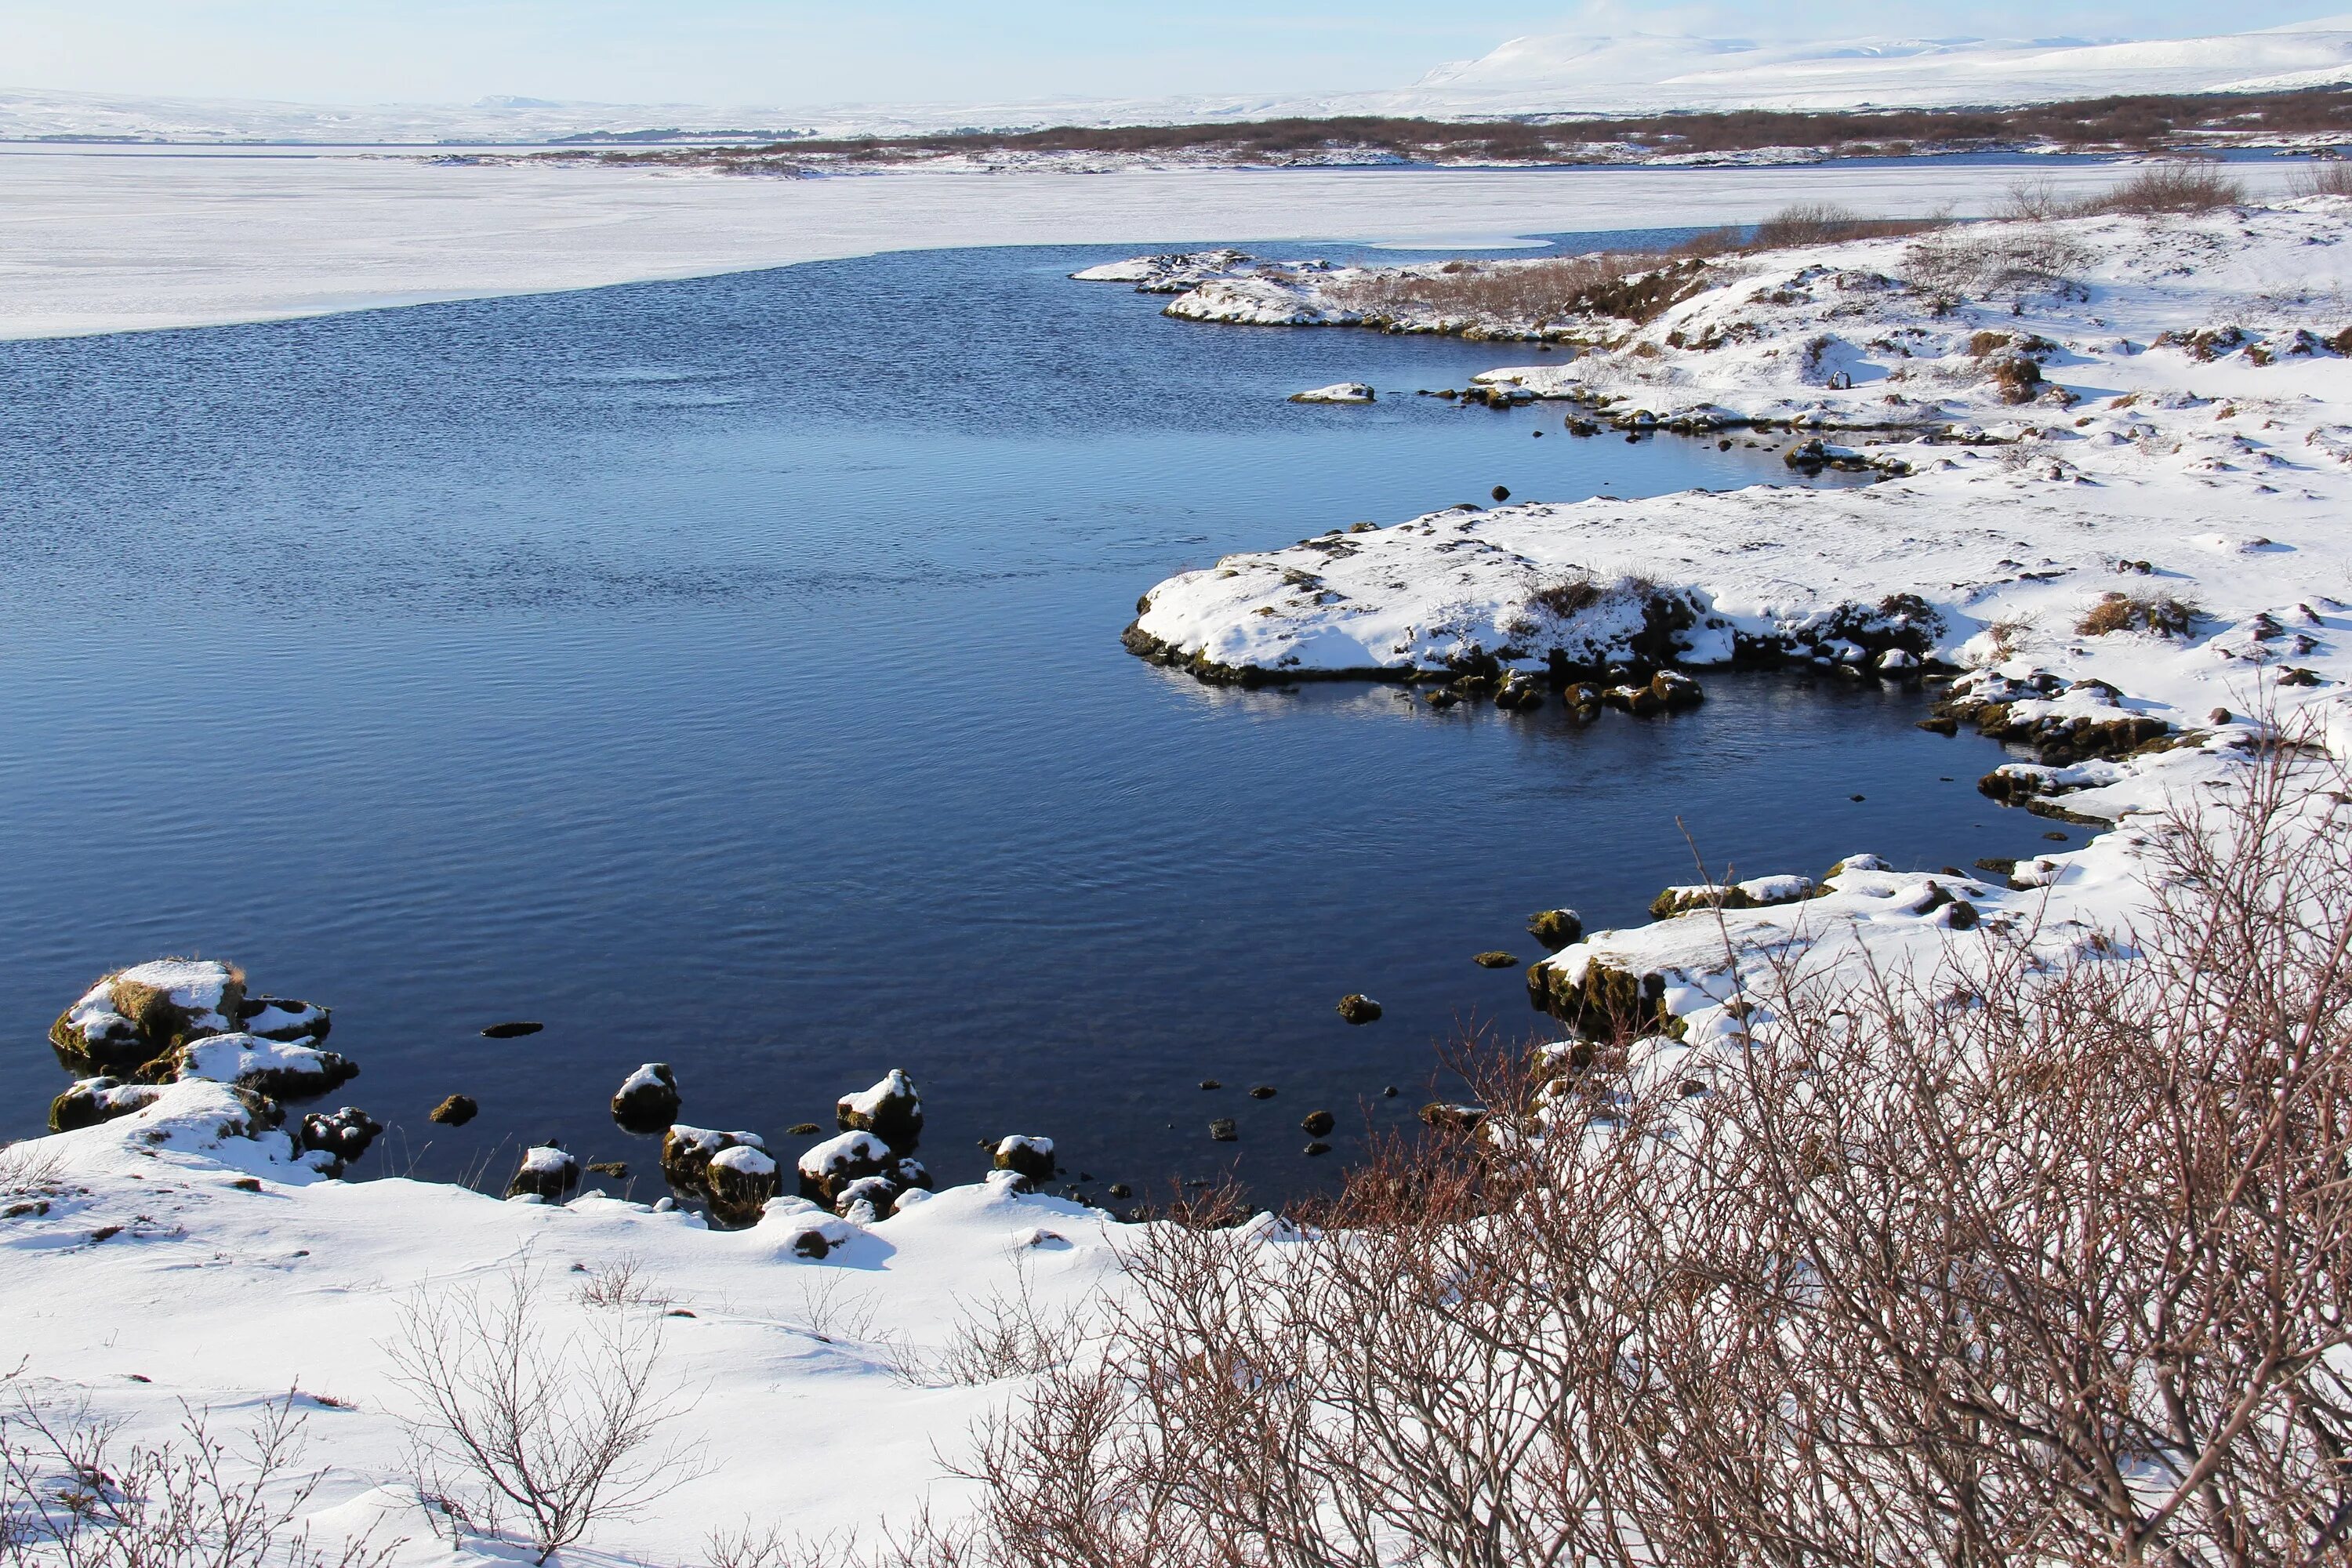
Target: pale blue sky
x,y
792,51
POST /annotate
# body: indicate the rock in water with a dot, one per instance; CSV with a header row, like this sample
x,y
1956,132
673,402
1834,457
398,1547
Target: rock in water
x,y
1338,391
833,1165
1223,1130
1318,1124
891,1110
548,1171
344,1133
1028,1156
138,1015
741,1181
1557,928
1496,959
1358,1008
646,1101
455,1111
514,1030
687,1153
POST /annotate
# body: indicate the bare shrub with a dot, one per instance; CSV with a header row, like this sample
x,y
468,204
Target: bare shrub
x,y
558,1431
2042,1257
29,1170
833,1311
1826,223
73,1496
621,1284
1010,1336
2027,256
2137,612
2330,178
2173,187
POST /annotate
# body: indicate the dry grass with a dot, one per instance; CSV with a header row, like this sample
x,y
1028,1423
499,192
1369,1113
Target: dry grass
x,y
1564,599
2137,612
2332,178
2183,187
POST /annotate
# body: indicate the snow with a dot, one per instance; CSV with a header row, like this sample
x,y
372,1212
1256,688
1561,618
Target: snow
x,y
2020,519
744,1159
278,1067
1007,1148
843,1152
225,1298
125,240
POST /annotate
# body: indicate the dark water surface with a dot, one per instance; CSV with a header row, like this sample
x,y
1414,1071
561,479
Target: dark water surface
x,y
726,673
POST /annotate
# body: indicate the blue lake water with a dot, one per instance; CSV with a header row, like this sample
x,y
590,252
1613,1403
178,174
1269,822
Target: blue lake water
x,y
726,673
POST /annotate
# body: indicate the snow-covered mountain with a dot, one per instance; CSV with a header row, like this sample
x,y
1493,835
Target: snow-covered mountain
x,y
1551,73
1641,72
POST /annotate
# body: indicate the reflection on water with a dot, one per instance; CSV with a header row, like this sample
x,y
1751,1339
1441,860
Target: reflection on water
x,y
726,673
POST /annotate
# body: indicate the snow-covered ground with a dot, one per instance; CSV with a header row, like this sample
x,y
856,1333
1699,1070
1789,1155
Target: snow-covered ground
x,y
124,240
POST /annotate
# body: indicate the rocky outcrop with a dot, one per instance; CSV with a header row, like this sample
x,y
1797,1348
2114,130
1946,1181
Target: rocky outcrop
x,y
647,1100
1595,996
137,1014
1761,892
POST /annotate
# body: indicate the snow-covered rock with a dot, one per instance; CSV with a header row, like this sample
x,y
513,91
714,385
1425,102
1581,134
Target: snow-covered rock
x,y
277,1069
547,1173
1338,391
891,1109
647,1100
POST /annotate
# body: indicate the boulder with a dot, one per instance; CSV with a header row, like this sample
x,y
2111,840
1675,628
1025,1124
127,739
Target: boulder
x,y
1556,928
280,1069
739,1180
455,1111
1223,1130
646,1101
91,1101
1598,998
343,1133
1029,1157
135,1016
1639,700
687,1153
825,1169
1358,1008
1318,1123
1496,959
548,1171
1676,691
891,1110
1338,391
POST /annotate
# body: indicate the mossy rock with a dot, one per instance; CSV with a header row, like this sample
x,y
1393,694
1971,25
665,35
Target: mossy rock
x,y
687,1153
95,1100
1358,1008
739,1180
455,1111
1496,959
1683,900
1604,1000
825,1169
1318,1123
1027,1156
1556,928
136,1015
892,1111
548,1171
